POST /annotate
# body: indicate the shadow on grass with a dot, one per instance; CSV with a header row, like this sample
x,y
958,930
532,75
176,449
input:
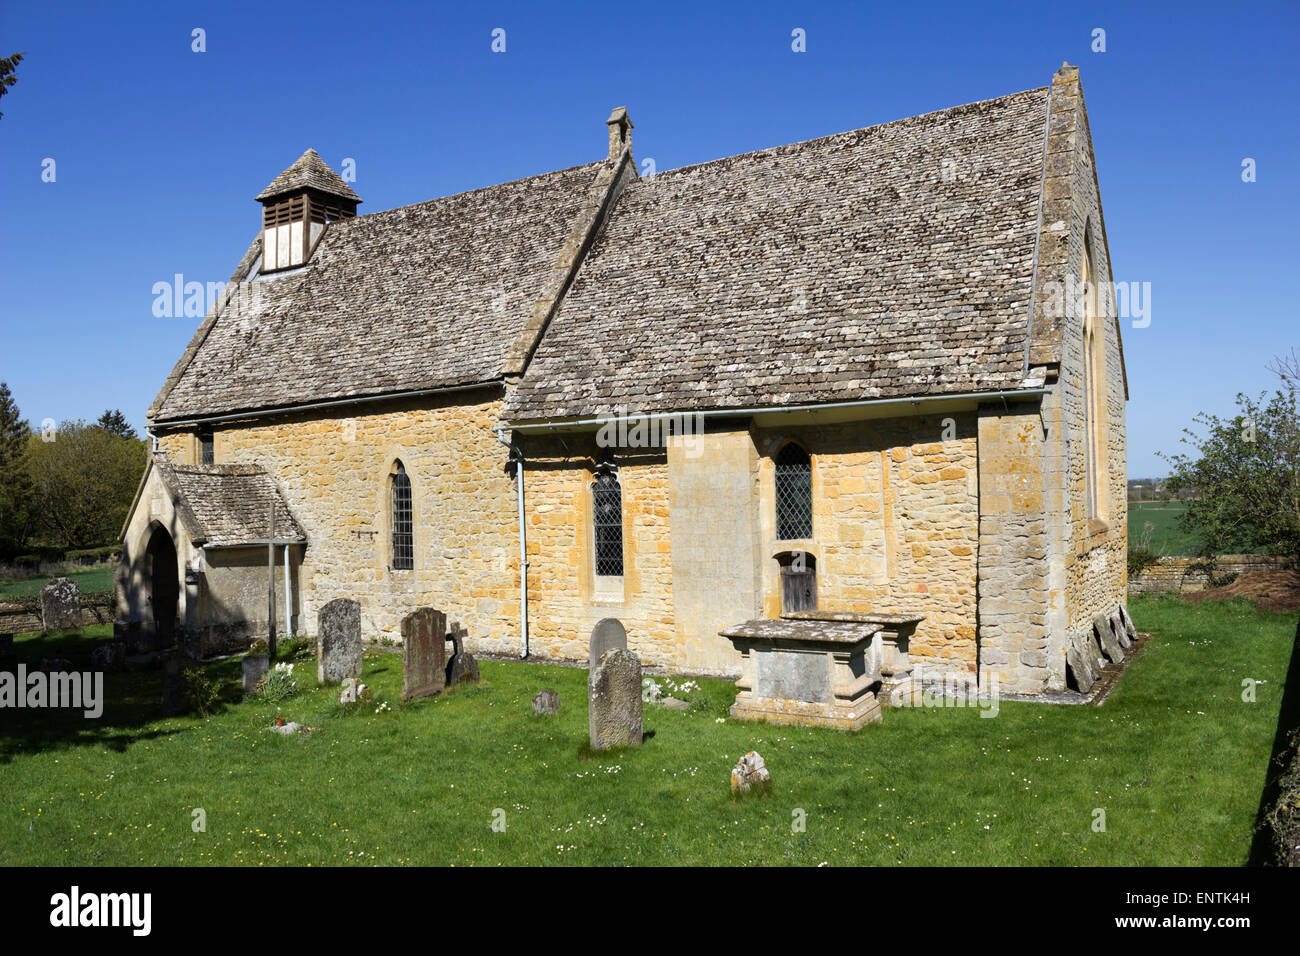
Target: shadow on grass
x,y
131,702
1288,721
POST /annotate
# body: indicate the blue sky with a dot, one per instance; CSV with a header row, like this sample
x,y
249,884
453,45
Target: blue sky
x,y
160,150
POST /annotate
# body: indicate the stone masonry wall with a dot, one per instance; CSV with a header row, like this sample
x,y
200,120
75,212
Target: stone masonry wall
x,y
334,467
895,529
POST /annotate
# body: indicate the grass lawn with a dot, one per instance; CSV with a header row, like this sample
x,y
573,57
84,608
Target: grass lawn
x,y
1175,758
96,578
1167,538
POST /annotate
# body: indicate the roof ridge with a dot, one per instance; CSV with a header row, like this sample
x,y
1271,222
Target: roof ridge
x,y
846,132
371,216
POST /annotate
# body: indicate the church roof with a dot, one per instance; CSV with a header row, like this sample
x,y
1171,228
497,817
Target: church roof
x,y
422,297
891,261
228,505
309,171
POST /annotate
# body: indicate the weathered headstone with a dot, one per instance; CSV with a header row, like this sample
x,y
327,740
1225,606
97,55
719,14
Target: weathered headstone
x,y
1120,631
424,653
1106,636
462,668
1081,658
353,692
173,686
254,668
750,774
614,701
61,605
109,658
608,635
1128,622
338,646
545,702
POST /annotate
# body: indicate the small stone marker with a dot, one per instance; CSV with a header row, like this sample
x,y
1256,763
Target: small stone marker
x,y
254,668
750,774
173,686
61,605
338,646
353,692
608,635
109,658
672,703
614,701
545,702
424,653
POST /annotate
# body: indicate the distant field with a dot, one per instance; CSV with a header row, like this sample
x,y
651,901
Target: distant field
x,y
99,578
1166,536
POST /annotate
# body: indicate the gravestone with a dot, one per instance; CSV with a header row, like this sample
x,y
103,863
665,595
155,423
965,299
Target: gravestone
x,y
1081,659
750,774
608,635
1120,631
338,646
254,668
1106,636
545,702
462,668
614,701
173,686
1128,623
61,605
424,653
109,658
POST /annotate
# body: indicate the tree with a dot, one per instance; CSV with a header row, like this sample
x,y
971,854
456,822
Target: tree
x,y
1245,474
15,487
8,72
84,483
115,423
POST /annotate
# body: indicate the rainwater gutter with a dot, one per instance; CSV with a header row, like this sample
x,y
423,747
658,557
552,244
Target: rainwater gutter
x,y
517,456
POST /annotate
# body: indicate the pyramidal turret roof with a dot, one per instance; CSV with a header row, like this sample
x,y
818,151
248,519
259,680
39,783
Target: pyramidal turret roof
x,y
309,171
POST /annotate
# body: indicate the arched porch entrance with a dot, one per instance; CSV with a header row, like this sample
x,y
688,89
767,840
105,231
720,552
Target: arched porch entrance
x,y
164,586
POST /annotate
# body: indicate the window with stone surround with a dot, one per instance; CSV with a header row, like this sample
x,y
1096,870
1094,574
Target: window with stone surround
x,y
207,452
607,522
403,528
1094,393
793,493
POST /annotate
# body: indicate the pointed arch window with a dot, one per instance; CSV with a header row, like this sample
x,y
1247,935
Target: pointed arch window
x,y
402,525
607,520
793,493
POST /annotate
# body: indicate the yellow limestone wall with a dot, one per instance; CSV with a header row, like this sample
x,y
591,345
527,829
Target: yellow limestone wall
x,y
334,470
895,528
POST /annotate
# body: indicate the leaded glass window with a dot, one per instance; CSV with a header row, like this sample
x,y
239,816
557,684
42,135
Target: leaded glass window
x,y
607,516
403,532
793,493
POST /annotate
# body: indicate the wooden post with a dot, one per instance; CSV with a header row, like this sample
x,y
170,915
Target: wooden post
x,y
270,585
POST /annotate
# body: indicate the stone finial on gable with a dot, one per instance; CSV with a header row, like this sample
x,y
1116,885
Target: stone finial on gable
x,y
620,132
1067,75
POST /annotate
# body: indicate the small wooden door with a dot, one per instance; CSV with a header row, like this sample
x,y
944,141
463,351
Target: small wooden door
x,y
798,582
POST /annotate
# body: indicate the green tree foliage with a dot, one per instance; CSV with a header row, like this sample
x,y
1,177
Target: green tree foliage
x,y
115,423
15,487
8,72
84,482
1244,477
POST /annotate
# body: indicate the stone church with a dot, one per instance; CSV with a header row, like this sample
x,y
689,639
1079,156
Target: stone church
x,y
878,371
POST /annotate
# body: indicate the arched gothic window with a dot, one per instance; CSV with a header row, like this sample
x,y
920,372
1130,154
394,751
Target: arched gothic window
x,y
793,493
607,520
403,529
